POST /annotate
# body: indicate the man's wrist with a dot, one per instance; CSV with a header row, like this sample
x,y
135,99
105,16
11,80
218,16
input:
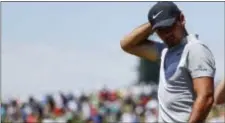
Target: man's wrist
x,y
150,28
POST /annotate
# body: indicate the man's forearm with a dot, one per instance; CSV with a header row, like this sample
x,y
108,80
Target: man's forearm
x,y
201,109
220,93
137,35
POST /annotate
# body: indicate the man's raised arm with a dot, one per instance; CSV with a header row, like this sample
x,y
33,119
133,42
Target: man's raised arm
x,y
136,43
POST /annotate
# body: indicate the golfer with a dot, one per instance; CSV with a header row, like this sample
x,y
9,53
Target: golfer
x,y
187,70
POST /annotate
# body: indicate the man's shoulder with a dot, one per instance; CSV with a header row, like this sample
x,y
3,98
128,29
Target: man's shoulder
x,y
197,51
194,44
196,48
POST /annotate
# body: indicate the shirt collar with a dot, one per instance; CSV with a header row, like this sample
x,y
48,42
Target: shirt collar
x,y
184,40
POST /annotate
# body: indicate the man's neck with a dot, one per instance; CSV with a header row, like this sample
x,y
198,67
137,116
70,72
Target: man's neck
x,y
185,33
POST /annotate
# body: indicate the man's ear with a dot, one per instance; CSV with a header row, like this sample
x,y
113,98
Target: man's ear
x,y
182,19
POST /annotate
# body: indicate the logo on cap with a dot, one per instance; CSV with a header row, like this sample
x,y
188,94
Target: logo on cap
x,y
156,15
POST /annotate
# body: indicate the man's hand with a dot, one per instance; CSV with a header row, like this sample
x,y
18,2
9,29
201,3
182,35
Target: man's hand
x,y
136,43
204,89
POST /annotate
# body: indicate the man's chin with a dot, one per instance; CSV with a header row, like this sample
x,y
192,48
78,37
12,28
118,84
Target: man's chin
x,y
170,44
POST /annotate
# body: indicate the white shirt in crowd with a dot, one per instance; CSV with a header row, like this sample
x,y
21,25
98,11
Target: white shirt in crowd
x,y
128,117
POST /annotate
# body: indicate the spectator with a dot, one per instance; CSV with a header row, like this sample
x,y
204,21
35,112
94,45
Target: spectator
x,y
101,107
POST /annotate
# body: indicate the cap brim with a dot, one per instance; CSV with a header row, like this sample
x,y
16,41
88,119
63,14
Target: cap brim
x,y
164,23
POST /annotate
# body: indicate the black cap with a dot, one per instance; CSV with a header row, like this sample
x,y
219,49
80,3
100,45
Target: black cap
x,y
163,14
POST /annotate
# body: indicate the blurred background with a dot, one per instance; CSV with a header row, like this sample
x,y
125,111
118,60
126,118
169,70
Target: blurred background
x,y
62,61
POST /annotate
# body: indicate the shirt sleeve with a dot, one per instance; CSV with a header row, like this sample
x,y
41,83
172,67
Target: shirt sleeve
x,y
200,61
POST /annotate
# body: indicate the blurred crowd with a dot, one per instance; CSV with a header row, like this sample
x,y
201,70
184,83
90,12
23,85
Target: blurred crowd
x,y
103,106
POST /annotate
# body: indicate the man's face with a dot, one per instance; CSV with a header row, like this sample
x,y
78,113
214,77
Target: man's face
x,y
172,35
